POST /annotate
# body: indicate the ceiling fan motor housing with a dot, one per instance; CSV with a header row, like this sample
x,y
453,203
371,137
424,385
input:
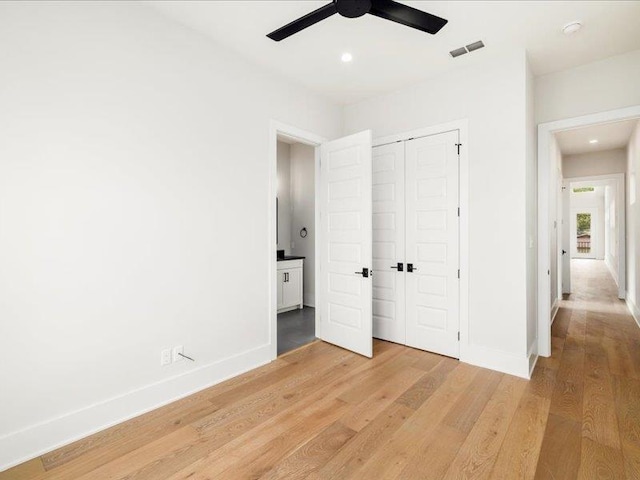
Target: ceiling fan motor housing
x,y
352,8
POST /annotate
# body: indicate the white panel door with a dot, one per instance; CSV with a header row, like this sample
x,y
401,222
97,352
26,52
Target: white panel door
x,y
432,243
388,243
566,238
345,248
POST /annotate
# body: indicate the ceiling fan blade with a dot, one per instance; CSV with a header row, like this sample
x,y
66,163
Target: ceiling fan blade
x,y
409,16
303,22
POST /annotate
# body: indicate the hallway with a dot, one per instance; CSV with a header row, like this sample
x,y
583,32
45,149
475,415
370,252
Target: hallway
x,y
593,427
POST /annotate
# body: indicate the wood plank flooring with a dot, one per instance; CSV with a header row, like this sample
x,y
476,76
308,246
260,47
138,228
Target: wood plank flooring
x,y
321,412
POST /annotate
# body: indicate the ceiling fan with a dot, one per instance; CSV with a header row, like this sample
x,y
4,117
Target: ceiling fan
x,y
387,9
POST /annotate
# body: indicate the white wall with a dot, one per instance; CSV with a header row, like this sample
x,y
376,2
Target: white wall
x,y
592,200
284,197
595,163
611,226
493,98
532,212
303,214
131,147
633,223
595,87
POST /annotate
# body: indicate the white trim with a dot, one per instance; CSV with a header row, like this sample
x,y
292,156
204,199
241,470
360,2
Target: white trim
x,y
554,310
308,138
633,308
612,272
545,130
423,132
533,357
35,440
462,126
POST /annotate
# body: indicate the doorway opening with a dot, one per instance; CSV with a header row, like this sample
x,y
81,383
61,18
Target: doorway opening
x,y
295,243
582,170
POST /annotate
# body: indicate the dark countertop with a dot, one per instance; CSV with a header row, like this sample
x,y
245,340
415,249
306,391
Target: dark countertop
x,y
290,257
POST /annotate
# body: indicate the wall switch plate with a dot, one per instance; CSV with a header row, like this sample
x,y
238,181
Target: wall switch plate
x,y
165,357
177,350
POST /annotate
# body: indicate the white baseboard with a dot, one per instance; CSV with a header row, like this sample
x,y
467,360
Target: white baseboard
x,y
554,310
36,440
533,356
497,360
633,308
613,273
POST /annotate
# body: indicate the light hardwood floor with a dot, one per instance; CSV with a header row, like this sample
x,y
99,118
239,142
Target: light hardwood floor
x,y
323,413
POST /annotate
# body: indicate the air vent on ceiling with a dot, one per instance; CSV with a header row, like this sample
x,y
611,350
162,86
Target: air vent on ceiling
x,y
469,48
458,51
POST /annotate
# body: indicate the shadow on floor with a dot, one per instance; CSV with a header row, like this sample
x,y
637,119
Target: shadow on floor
x,y
296,328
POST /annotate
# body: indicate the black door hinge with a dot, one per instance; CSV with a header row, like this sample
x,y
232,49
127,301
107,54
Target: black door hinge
x,y
458,273
458,336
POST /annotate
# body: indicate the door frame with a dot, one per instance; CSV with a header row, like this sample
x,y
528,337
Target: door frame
x,y
595,238
462,126
545,132
602,181
314,140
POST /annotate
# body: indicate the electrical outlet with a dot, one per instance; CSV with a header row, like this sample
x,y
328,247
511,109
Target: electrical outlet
x,y
176,353
165,357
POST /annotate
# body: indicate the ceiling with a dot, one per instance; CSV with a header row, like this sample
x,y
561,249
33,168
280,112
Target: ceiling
x,y
609,136
388,56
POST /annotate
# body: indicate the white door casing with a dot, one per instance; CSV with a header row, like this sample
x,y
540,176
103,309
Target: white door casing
x,y
345,209
389,243
432,243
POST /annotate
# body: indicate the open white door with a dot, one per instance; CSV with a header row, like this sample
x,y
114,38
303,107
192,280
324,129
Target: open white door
x,y
345,252
566,237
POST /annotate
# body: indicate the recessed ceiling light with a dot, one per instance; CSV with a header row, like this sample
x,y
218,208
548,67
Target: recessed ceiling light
x,y
571,27
593,141
346,57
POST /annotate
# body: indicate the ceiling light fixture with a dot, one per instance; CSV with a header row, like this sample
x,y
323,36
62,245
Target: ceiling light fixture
x,y
346,57
572,27
593,141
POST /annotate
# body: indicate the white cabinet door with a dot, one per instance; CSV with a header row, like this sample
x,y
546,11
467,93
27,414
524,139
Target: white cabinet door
x,y
345,248
292,288
432,239
389,243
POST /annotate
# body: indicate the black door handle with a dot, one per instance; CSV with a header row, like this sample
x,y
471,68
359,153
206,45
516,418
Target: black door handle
x,y
364,273
564,252
399,266
411,268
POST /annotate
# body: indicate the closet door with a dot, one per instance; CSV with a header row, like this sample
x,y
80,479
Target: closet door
x,y
388,243
432,243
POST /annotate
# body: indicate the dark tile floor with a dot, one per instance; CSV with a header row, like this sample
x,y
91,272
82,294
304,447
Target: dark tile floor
x,y
296,328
